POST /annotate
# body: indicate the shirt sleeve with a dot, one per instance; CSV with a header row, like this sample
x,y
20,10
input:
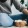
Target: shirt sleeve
x,y
18,5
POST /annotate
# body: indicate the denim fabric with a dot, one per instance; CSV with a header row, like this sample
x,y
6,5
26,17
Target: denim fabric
x,y
6,20
19,16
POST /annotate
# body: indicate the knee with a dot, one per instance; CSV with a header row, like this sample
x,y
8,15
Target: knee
x,y
6,20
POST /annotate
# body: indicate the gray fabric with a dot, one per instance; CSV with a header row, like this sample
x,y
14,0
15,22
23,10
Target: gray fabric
x,y
18,5
7,6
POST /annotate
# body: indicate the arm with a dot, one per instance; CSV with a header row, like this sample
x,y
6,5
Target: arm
x,y
25,11
19,6
5,6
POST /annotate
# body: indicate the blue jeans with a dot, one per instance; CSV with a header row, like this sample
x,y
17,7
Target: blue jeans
x,y
5,20
20,16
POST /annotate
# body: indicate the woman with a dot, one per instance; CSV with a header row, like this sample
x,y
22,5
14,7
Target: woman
x,y
5,8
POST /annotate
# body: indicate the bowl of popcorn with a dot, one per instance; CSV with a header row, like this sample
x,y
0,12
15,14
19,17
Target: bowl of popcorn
x,y
20,23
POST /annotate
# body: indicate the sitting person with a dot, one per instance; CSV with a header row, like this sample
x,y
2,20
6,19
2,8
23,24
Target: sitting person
x,y
5,8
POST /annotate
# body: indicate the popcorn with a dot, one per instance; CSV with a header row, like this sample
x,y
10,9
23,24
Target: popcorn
x,y
20,23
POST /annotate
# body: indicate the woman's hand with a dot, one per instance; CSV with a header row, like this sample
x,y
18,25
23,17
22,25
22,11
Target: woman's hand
x,y
25,11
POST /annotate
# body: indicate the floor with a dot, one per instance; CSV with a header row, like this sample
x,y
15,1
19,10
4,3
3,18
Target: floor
x,y
15,27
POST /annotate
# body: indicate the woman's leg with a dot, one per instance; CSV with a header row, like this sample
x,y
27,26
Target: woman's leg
x,y
6,20
20,16
17,17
